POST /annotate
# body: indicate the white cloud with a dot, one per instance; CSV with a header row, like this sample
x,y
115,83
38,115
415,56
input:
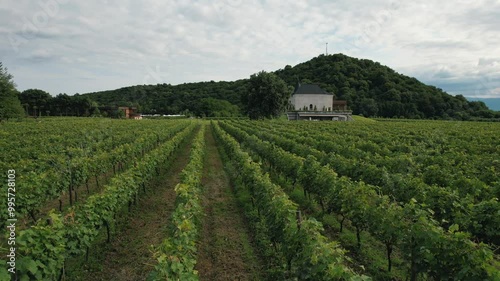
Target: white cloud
x,y
94,45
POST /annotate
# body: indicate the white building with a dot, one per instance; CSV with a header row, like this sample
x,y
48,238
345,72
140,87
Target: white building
x,y
310,102
310,97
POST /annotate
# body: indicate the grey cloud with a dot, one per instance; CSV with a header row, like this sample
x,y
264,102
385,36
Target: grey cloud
x,y
444,74
443,44
231,39
40,56
479,86
488,61
486,16
38,35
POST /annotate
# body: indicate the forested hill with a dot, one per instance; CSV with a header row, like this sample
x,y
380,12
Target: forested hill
x,y
370,88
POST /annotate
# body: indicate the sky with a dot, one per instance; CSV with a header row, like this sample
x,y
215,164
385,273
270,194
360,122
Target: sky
x,y
69,46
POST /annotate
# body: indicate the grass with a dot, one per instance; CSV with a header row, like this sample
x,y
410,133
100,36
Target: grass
x,y
360,119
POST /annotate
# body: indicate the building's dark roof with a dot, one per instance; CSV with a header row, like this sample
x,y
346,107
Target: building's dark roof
x,y
310,89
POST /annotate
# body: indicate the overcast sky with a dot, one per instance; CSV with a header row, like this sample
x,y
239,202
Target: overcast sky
x,y
69,46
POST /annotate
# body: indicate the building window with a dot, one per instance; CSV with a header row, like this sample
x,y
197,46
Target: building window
x,y
310,107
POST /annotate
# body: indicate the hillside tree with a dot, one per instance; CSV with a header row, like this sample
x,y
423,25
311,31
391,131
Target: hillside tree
x,y
10,106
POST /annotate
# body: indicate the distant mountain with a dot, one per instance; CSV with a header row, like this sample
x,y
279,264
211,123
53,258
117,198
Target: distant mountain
x,y
370,89
492,103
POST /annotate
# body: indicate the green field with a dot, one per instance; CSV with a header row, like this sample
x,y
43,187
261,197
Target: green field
x,y
101,199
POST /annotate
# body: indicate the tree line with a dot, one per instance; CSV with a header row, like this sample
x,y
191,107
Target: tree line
x,y
370,89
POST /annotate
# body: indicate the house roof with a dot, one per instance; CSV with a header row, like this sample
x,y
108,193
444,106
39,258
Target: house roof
x,y
310,89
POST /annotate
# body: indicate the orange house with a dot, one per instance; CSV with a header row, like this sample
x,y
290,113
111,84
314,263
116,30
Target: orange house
x,y
130,112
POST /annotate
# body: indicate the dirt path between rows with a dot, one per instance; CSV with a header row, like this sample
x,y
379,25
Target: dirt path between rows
x,y
128,257
224,250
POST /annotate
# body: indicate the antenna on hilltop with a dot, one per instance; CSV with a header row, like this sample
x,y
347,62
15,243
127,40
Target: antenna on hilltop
x,y
326,49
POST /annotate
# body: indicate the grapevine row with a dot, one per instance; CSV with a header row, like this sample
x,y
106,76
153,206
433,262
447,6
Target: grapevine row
x,y
43,248
430,249
176,255
449,207
298,243
40,147
393,156
38,188
440,155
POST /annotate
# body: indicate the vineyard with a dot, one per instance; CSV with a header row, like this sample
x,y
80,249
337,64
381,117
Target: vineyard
x,y
99,199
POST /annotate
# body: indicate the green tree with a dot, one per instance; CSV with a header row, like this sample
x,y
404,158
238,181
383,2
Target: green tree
x,y
95,112
211,107
267,96
368,107
10,106
61,104
81,105
34,98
